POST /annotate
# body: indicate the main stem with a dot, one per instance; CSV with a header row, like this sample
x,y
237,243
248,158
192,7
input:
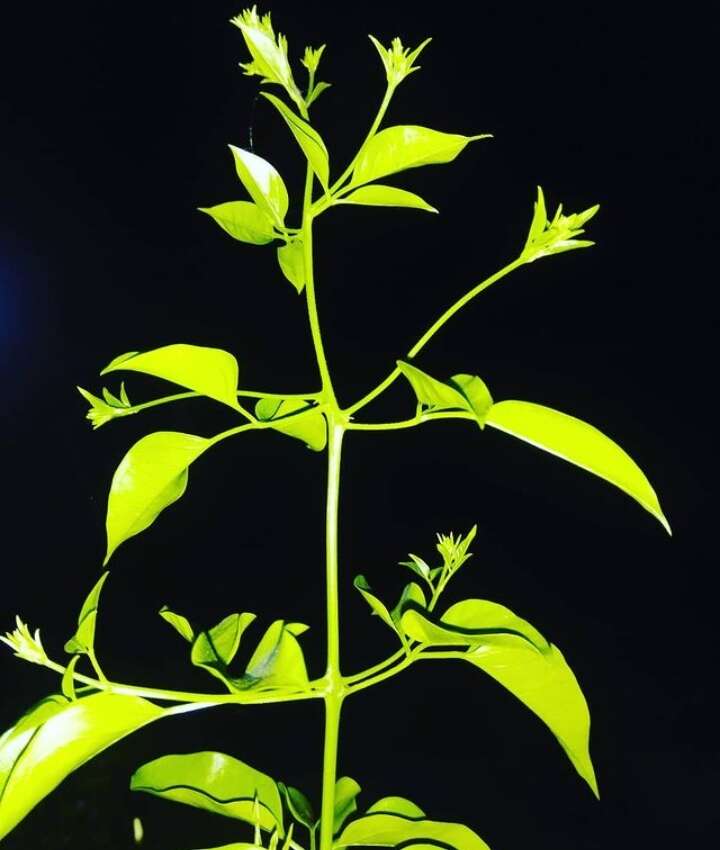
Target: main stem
x,y
335,689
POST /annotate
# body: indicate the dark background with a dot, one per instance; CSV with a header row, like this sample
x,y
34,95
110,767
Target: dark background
x,y
115,129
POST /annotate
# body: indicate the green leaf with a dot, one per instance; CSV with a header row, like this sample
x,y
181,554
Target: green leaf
x,y
263,183
215,648
56,737
207,371
299,805
386,196
377,606
470,623
381,830
579,443
318,89
68,679
412,595
418,566
151,476
548,687
243,220
346,791
178,622
213,781
476,394
397,806
311,429
431,392
291,258
307,137
399,148
84,638
278,660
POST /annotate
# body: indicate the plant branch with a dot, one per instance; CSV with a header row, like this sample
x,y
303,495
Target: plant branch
x,y
245,697
363,674
409,423
431,331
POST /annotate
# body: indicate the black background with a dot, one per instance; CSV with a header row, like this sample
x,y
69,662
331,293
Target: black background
x,y
116,124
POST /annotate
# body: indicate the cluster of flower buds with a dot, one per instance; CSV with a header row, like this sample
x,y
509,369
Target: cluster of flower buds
x,y
24,644
109,407
554,237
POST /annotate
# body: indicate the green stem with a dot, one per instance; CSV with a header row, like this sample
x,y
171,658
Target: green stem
x,y
335,686
408,423
245,698
363,674
431,331
328,394
406,661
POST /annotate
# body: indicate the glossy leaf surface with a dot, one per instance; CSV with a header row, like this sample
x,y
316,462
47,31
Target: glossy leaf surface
x,y
215,648
396,806
84,638
399,148
517,656
470,622
577,442
299,805
291,259
378,607
429,391
381,830
311,429
151,476
178,622
213,781
263,183
56,737
307,137
547,686
208,371
278,659
378,195
346,791
243,220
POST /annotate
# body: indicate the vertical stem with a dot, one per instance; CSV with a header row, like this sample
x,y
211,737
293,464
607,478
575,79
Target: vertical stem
x,y
335,688
307,239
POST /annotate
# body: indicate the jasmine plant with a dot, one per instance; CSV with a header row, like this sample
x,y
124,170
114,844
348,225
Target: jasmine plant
x,y
90,711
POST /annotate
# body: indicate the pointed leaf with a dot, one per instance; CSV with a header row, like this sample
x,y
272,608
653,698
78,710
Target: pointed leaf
x,y
318,89
299,805
346,791
208,371
471,622
477,395
178,622
263,183
412,595
215,648
278,660
151,476
381,830
377,606
548,687
56,737
84,638
397,806
579,443
431,392
213,781
311,429
291,259
399,148
307,137
68,679
243,220
386,196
